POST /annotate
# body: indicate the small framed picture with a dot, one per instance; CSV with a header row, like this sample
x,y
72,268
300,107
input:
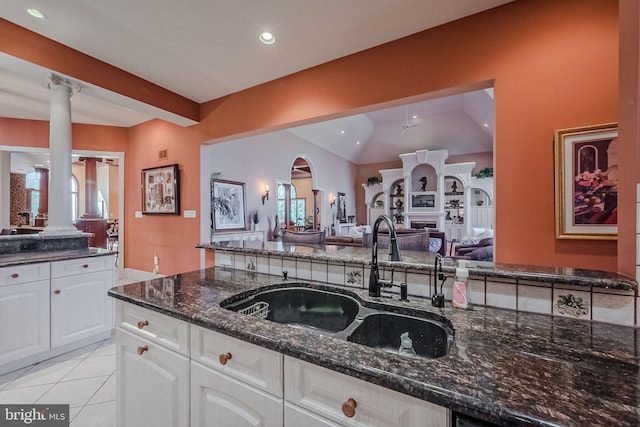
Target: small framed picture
x,y
161,190
586,182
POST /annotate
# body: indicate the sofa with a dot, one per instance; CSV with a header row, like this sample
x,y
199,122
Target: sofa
x,y
411,240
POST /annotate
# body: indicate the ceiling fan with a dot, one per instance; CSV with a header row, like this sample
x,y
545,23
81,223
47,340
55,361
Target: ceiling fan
x,y
407,124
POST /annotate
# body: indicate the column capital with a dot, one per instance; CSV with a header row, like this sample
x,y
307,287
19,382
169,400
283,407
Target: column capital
x,y
56,81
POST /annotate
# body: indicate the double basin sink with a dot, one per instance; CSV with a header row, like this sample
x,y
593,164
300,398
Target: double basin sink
x,y
340,313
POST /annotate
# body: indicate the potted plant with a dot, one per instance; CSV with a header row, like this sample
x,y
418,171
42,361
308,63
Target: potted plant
x,y
255,219
373,180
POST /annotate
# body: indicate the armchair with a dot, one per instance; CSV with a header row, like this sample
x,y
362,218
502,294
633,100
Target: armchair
x,y
482,251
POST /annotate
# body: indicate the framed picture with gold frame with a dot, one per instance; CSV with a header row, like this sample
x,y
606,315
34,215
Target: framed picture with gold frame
x,y
586,182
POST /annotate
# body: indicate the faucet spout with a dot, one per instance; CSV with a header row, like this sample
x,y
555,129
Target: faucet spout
x,y
375,284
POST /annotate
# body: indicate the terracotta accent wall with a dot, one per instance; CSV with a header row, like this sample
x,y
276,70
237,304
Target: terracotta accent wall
x,y
171,237
553,65
17,197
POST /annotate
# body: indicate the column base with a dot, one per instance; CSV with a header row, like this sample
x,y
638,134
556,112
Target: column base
x,y
60,230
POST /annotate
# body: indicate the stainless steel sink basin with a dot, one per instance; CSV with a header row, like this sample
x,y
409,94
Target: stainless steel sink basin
x,y
330,311
383,330
304,307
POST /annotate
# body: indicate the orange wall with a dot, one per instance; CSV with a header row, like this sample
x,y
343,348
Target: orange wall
x,y
171,237
553,64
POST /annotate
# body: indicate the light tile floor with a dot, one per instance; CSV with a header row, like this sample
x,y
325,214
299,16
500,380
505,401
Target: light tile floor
x,y
83,378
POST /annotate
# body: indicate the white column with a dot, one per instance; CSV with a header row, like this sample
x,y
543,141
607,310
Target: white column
x,y
5,189
60,214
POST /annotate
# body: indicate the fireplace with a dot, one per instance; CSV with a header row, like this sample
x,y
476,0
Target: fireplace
x,y
419,225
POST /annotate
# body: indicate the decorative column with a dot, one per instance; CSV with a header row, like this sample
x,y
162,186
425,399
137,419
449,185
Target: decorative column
x,y
90,188
5,189
43,175
60,215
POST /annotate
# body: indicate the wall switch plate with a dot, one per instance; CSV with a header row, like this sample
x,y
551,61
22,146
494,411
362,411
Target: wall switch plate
x,y
138,214
190,214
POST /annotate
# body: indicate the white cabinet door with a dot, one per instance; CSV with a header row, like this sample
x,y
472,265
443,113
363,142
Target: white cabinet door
x,y
80,306
219,400
152,384
24,316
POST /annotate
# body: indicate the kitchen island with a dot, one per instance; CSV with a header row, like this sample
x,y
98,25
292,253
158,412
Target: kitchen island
x,y
505,367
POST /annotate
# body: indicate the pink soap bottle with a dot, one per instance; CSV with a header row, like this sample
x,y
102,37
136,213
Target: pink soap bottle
x,y
460,297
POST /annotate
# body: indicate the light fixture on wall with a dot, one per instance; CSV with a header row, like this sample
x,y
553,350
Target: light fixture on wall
x,y
333,201
265,196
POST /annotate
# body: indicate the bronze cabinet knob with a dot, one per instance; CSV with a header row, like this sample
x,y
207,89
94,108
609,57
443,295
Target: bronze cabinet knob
x,y
15,275
142,350
143,323
224,358
349,407
85,265
57,292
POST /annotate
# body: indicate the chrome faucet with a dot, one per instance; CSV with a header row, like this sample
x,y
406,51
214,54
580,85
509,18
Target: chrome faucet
x,y
375,283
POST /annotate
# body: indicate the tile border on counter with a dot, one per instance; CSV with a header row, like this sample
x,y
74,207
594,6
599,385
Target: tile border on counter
x,y
607,305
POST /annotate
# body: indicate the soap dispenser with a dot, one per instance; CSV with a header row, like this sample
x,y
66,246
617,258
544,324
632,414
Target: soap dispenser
x,y
406,345
460,297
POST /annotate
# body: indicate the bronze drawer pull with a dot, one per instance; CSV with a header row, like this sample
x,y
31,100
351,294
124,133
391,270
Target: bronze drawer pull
x,y
85,265
224,358
57,292
142,350
15,275
142,323
349,407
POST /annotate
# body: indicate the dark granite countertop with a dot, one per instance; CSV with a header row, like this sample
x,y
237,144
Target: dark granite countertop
x,y
507,367
425,260
8,260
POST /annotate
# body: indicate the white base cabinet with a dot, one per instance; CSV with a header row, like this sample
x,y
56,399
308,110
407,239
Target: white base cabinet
x,y
223,381
25,307
152,384
326,392
50,308
220,400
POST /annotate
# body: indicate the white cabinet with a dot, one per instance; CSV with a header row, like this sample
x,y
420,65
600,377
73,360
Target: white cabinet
x,y
352,402
80,307
49,308
24,310
295,416
233,382
220,400
152,384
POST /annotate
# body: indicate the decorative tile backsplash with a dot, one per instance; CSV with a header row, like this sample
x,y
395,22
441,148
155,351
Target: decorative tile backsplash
x,y
577,302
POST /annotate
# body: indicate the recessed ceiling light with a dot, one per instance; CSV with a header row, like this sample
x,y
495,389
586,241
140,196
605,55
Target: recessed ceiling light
x,y
414,117
341,132
358,142
36,13
486,125
267,38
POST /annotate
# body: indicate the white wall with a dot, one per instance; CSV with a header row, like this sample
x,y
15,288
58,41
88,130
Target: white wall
x,y
266,159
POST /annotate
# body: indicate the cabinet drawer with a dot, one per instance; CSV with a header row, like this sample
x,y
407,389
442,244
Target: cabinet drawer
x,y
256,366
15,275
324,392
72,267
167,331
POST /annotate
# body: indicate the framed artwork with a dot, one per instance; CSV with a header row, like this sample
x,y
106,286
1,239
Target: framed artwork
x,y
342,208
161,190
586,182
228,205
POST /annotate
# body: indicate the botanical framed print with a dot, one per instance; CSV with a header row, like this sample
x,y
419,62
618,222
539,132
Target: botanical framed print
x,y
586,182
161,190
342,208
228,205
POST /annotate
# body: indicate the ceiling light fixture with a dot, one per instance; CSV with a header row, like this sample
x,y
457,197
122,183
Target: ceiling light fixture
x,y
267,38
36,13
486,125
358,142
341,132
